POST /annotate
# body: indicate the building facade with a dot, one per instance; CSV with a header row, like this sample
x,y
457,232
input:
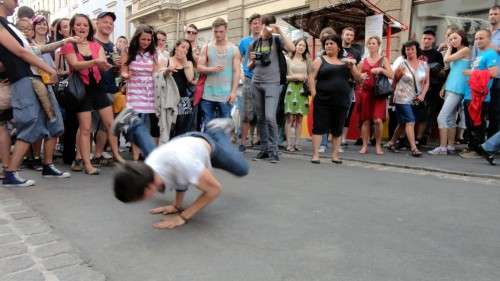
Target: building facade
x,y
173,15
54,9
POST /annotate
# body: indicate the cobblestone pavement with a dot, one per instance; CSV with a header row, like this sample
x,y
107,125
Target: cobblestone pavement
x,y
31,251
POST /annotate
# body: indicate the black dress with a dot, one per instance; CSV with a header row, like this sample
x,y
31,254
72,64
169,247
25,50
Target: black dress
x,y
185,106
332,100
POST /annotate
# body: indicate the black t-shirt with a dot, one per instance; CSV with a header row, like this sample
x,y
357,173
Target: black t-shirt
x,y
435,61
352,52
15,66
108,77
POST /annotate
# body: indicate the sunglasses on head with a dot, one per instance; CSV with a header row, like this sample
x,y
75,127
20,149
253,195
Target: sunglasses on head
x,y
191,32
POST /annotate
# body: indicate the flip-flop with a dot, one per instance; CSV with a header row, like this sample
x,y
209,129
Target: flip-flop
x,y
315,161
336,161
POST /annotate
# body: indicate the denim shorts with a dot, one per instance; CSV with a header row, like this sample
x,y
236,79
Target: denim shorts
x,y
404,113
29,118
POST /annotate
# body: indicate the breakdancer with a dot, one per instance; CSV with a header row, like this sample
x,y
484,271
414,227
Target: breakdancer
x,y
183,162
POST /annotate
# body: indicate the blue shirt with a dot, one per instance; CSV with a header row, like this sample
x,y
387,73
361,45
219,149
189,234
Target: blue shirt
x,y
245,44
457,82
484,60
495,41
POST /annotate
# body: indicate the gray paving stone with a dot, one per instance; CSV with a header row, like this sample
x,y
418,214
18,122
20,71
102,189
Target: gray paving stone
x,y
10,202
4,194
23,215
3,221
15,264
29,275
53,249
40,239
5,229
31,226
9,238
12,250
16,208
78,273
60,261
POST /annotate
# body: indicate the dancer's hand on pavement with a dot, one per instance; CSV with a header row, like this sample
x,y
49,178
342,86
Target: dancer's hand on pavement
x,y
170,223
169,209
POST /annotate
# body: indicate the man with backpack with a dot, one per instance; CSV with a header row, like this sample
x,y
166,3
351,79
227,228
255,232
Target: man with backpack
x,y
269,76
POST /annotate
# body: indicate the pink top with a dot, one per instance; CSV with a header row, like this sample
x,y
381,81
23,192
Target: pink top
x,y
84,73
140,86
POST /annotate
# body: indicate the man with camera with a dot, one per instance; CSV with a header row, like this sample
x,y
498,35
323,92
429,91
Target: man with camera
x,y
269,75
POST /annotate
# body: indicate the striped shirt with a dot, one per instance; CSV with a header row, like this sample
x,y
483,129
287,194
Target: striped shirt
x,y
140,87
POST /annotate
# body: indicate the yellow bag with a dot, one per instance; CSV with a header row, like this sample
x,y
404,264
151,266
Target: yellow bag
x,y
119,102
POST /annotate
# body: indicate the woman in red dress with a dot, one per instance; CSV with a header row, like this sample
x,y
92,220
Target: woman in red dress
x,y
372,109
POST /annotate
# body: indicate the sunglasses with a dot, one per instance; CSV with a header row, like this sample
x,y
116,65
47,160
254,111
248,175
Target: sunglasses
x,y
191,32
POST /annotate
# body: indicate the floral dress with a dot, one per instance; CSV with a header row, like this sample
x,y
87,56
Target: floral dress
x,y
296,100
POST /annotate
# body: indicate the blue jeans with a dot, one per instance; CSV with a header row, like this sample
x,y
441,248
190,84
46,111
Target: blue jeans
x,y
324,140
224,155
492,144
209,108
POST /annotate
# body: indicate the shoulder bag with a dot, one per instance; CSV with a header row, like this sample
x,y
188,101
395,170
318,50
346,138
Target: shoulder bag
x,y
383,88
200,85
416,102
74,83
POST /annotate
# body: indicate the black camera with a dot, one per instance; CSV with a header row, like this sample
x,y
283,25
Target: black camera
x,y
264,58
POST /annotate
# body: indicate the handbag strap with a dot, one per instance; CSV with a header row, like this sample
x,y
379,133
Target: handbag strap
x,y
412,75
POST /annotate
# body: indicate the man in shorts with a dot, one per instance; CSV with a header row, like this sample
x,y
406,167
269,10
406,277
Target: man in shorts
x,y
248,114
183,162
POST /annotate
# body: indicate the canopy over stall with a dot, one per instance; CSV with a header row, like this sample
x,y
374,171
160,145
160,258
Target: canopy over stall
x,y
344,13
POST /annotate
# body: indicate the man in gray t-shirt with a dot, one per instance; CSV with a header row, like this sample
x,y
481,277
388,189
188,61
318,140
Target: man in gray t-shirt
x,y
267,82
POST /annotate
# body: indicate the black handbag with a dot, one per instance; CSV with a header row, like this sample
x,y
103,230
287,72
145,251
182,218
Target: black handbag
x,y
75,86
383,87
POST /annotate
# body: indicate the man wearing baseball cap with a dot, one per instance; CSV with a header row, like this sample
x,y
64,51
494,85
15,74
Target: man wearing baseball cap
x,y
104,29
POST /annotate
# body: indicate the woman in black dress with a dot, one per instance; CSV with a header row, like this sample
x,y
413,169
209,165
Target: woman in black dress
x,y
181,65
330,89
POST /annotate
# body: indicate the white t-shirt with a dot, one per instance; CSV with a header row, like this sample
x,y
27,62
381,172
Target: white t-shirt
x,y
180,162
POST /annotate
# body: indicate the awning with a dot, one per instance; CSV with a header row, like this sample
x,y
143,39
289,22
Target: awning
x,y
344,13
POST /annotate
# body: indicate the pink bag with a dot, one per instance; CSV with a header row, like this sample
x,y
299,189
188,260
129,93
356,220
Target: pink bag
x,y
200,85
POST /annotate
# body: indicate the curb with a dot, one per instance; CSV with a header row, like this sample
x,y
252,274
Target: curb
x,y
401,166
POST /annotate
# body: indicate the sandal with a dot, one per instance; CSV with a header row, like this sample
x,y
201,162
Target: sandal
x,y
94,172
391,147
416,153
336,161
315,161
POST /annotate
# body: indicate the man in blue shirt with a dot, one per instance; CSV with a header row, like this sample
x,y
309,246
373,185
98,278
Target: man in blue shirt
x,y
247,112
494,105
486,58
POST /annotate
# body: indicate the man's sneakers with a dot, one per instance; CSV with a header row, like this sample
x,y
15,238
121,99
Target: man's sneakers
x,y
123,121
224,124
261,156
272,157
50,171
489,156
12,179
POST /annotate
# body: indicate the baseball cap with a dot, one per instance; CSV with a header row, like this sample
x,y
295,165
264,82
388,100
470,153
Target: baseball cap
x,y
104,14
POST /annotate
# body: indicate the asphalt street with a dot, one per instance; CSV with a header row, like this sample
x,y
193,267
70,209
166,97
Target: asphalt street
x,y
294,221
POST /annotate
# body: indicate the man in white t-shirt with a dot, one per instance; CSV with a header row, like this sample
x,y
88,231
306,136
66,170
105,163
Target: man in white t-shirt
x,y
185,161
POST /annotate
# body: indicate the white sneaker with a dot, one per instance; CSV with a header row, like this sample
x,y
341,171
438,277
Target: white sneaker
x,y
225,124
438,151
322,149
341,150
